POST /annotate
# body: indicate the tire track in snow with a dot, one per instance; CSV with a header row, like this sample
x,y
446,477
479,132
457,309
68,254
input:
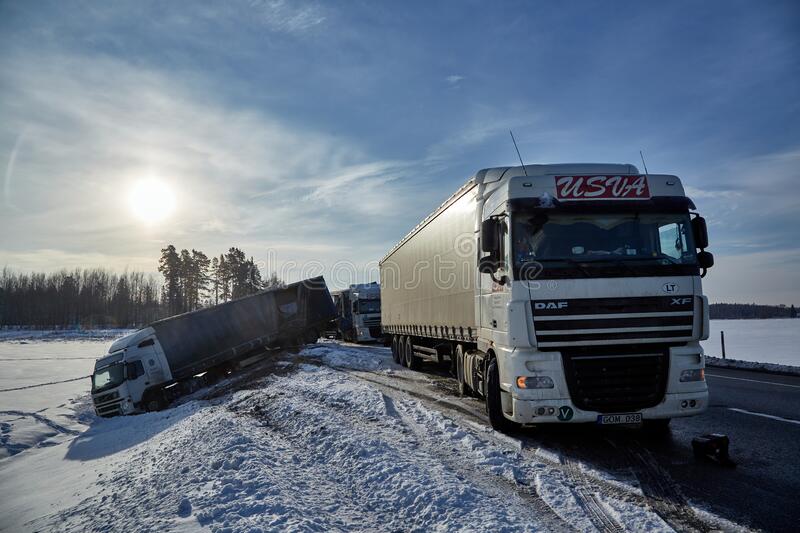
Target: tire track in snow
x,y
44,420
413,435
662,493
497,483
345,422
588,499
659,492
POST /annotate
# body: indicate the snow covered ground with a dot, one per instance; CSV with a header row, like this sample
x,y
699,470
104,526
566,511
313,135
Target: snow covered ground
x,y
765,341
33,415
335,438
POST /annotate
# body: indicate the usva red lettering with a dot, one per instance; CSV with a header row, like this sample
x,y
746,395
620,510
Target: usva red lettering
x,y
600,187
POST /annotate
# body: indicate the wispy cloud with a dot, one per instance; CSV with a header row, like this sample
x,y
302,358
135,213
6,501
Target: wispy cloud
x,y
97,124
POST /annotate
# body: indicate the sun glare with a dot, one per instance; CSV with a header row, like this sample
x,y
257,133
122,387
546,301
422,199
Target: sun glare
x,y
151,201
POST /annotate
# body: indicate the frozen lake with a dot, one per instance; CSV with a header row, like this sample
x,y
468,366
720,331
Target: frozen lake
x,y
774,340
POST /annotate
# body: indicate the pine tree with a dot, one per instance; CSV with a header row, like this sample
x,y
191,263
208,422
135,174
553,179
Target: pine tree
x,y
273,282
214,274
200,274
170,267
224,276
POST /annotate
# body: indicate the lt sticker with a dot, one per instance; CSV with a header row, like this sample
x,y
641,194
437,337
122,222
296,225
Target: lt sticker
x,y
565,413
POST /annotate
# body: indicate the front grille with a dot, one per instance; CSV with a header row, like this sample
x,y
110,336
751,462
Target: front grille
x,y
375,331
607,321
112,409
617,379
108,409
103,398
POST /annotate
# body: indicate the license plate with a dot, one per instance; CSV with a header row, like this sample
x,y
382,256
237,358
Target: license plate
x,y
622,418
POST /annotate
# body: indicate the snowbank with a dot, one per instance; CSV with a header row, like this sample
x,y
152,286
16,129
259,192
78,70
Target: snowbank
x,y
750,365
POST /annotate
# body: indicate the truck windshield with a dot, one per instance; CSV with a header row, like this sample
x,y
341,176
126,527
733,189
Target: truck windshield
x,y
108,377
369,306
624,240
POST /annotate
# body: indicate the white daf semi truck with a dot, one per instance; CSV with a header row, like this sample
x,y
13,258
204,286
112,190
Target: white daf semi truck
x,y
559,293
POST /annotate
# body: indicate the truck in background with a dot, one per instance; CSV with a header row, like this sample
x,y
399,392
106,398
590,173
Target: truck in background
x,y
150,368
560,293
359,310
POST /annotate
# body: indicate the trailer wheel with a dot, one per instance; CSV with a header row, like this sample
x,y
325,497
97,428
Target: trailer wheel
x,y
395,350
458,361
494,406
412,361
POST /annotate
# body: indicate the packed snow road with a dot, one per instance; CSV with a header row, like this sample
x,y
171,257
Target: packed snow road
x,y
338,438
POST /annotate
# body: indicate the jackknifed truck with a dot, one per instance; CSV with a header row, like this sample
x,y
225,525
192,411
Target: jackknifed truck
x,y
150,368
559,294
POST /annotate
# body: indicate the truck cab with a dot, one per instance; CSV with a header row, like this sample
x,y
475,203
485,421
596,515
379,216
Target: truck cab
x,y
590,299
359,309
134,364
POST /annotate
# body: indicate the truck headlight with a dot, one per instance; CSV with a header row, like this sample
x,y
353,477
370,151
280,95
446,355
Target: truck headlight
x,y
693,374
535,382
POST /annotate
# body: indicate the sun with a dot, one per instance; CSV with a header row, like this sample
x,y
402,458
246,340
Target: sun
x,y
151,200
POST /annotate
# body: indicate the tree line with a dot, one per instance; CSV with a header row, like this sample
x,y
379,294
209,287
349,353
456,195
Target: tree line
x,y
100,298
192,280
728,311
92,297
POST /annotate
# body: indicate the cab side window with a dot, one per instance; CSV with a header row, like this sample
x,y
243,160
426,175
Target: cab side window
x,y
672,241
134,370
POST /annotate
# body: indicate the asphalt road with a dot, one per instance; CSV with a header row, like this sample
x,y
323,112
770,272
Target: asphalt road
x,y
759,412
761,415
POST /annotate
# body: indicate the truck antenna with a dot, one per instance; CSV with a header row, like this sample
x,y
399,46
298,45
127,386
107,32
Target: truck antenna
x,y
518,154
643,163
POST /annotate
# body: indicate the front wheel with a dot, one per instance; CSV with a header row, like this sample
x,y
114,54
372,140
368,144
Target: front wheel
x,y
494,405
154,403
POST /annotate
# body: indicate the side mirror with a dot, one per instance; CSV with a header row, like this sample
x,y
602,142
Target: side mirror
x,y
705,259
700,232
489,236
487,265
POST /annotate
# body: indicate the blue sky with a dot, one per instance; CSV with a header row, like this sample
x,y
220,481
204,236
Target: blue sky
x,y
320,133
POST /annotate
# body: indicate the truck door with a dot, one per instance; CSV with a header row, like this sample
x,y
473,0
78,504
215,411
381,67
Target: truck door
x,y
153,369
494,296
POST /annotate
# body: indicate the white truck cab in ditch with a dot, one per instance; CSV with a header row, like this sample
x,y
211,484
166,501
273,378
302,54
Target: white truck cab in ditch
x,y
120,379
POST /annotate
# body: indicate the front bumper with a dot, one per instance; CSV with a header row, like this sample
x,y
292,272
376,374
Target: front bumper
x,y
108,404
555,405
673,406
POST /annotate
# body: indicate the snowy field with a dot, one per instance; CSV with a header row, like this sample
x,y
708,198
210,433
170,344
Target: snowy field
x,y
31,415
336,438
764,341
